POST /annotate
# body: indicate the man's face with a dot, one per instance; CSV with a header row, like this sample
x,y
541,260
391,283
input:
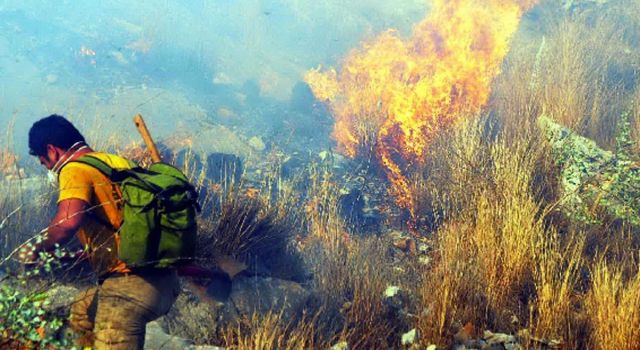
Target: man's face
x,y
51,158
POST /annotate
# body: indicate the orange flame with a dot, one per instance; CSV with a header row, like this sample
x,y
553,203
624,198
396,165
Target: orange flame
x,y
406,91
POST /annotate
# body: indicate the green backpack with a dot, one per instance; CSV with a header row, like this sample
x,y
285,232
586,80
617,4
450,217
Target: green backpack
x,y
159,204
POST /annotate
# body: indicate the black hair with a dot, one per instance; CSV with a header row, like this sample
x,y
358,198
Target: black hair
x,y
54,130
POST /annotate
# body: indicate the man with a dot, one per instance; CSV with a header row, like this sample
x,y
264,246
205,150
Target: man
x,y
114,314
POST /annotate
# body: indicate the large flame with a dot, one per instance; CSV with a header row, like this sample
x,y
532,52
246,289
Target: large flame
x,y
402,92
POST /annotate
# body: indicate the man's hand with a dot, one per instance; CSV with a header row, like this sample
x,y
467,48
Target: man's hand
x,y
68,219
27,254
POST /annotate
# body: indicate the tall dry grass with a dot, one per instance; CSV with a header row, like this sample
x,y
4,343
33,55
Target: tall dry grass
x,y
613,307
576,72
493,230
350,282
556,276
321,209
271,331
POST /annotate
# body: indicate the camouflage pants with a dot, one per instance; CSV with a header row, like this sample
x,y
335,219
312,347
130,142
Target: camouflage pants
x,y
114,315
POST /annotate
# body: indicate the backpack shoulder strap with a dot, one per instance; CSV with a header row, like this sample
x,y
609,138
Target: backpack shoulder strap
x,y
98,164
107,171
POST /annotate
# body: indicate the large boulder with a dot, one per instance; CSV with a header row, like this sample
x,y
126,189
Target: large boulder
x,y
60,297
157,339
261,295
195,315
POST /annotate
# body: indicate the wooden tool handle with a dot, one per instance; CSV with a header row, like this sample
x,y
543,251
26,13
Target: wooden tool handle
x,y
146,136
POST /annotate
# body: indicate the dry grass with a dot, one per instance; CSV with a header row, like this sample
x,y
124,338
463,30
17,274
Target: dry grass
x,y
556,275
450,295
494,229
613,308
567,73
350,282
272,332
244,229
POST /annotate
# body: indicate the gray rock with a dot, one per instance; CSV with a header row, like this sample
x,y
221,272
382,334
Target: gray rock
x,y
157,339
498,338
292,165
224,167
396,298
410,337
194,315
343,345
351,206
257,143
61,297
260,295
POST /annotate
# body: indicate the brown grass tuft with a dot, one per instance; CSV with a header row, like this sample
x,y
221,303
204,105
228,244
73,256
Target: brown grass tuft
x,y
272,332
613,308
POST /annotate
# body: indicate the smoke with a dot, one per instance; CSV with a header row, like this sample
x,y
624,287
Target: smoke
x,y
82,59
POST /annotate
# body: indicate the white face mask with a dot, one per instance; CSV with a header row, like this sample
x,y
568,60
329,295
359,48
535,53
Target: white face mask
x,y
52,174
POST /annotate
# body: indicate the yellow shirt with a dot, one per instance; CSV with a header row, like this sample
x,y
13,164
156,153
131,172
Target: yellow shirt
x,y
84,182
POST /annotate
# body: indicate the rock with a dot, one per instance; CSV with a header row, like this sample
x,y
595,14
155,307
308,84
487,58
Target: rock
x,y
260,295
498,338
60,297
292,165
424,260
423,248
410,338
465,334
343,345
351,206
193,309
396,298
406,244
257,143
222,167
475,344
186,160
397,235
513,346
324,155
157,339
391,291
524,334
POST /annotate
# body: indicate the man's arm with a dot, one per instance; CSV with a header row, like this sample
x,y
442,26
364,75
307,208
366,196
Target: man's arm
x,y
66,222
